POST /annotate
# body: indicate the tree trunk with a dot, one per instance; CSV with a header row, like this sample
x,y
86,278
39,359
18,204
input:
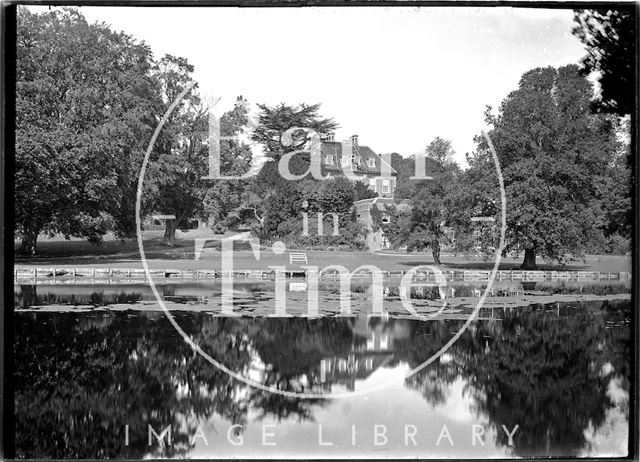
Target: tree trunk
x,y
169,238
529,262
435,251
29,241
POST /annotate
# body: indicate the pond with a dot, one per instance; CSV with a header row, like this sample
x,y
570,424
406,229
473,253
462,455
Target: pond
x,y
105,375
258,298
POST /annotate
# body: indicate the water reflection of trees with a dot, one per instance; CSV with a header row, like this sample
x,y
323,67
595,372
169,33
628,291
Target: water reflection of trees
x,y
79,381
33,295
544,372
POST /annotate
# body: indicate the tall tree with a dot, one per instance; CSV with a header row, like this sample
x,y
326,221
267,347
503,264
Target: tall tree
x,y
609,36
273,122
224,197
175,185
552,150
268,197
424,226
476,196
81,134
441,151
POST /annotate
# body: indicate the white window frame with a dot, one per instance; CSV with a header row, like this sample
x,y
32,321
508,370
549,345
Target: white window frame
x,y
328,159
373,184
372,163
384,342
368,364
371,343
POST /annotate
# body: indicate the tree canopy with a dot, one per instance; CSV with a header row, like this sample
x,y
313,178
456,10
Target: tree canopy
x,y
79,135
174,182
274,121
553,151
609,36
424,225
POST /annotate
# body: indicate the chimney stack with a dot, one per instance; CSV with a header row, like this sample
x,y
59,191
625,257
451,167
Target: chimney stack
x,y
354,140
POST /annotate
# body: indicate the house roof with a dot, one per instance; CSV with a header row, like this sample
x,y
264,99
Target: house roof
x,y
334,148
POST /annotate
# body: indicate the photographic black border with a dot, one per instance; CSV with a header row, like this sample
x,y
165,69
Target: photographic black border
x,y
8,11
7,167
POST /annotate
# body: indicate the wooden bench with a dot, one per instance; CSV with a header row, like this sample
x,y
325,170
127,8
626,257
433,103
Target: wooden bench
x,y
300,257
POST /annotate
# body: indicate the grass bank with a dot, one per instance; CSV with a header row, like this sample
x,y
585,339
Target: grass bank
x,y
114,253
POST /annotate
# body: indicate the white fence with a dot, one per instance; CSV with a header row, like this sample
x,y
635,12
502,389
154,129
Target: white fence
x,y
61,275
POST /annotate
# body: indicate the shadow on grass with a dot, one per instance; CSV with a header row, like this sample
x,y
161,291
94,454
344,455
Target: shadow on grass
x,y
75,252
84,253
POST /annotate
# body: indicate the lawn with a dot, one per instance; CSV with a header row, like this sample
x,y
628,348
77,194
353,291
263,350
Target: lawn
x,y
114,253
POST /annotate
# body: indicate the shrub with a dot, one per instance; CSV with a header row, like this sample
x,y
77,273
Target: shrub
x,y
218,228
618,244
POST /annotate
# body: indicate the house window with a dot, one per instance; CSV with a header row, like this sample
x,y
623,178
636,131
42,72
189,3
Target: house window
x,y
368,364
385,186
384,342
477,236
329,159
372,163
372,184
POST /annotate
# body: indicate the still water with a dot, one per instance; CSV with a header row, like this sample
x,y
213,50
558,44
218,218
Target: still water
x,y
543,380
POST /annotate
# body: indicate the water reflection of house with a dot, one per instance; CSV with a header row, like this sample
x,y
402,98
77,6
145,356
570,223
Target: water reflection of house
x,y
346,370
372,349
379,332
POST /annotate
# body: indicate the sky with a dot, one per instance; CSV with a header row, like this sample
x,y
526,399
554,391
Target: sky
x,y
395,76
